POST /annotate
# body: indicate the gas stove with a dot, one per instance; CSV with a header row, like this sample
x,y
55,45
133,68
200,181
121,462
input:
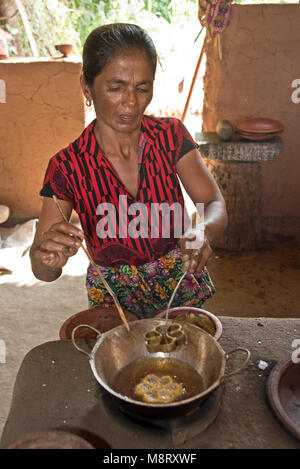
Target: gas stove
x,y
148,433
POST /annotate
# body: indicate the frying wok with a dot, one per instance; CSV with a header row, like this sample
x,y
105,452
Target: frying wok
x,y
117,348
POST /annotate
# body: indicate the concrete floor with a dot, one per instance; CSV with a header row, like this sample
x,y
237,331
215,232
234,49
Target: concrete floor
x,y
32,313
263,283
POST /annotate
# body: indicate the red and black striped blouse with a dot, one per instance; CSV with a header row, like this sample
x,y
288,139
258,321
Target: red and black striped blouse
x,y
118,227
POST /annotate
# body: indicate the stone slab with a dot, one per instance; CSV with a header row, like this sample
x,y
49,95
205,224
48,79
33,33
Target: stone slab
x,y
238,149
56,390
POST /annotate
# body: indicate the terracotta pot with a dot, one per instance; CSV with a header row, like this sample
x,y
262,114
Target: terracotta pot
x,y
243,132
257,137
65,49
101,318
283,391
50,440
260,125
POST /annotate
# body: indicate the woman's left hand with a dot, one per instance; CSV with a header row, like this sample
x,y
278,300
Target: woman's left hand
x,y
196,249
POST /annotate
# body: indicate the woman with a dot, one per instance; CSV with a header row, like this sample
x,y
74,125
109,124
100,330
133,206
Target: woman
x,y
124,164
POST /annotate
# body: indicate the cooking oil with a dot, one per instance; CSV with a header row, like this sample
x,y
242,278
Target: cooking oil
x,y
164,372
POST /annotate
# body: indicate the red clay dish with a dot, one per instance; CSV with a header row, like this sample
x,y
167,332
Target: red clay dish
x,y
250,134
253,136
51,440
64,49
103,319
283,391
260,125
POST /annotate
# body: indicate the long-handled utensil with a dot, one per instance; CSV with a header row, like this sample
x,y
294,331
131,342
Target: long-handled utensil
x,y
121,312
172,298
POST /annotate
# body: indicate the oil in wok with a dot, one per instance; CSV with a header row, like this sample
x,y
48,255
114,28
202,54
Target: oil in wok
x,y
158,380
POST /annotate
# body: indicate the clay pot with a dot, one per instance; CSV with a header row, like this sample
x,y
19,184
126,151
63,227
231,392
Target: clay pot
x,y
65,49
50,440
253,136
283,391
260,125
100,318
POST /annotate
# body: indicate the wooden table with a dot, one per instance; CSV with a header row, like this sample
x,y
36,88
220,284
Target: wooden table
x,y
55,389
237,166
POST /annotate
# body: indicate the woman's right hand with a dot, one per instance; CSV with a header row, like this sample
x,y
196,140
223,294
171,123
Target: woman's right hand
x,y
61,241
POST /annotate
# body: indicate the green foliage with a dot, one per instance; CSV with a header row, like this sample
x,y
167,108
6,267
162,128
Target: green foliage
x,y
70,21
52,22
162,8
93,13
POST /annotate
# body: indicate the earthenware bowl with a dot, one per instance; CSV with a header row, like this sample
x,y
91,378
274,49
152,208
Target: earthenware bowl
x,y
64,49
283,391
260,125
100,318
50,440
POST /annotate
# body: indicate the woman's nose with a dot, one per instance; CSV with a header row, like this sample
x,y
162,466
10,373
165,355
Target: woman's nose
x,y
130,98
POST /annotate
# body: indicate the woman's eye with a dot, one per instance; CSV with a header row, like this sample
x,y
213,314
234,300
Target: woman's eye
x,y
143,90
117,88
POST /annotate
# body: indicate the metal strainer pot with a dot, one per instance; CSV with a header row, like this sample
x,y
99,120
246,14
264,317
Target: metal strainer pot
x,y
118,347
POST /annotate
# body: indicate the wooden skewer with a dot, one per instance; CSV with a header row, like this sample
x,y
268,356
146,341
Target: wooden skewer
x,y
121,312
219,46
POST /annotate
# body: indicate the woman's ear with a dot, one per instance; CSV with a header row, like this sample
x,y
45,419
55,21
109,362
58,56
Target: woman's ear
x,y
85,88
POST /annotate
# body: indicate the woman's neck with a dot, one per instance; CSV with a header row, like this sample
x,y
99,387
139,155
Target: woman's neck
x,y
115,143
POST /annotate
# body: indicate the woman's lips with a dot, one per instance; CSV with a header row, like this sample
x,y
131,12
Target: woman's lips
x,y
128,117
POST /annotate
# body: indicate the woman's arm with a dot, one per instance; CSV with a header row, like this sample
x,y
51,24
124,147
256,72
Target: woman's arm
x,y
202,188
54,242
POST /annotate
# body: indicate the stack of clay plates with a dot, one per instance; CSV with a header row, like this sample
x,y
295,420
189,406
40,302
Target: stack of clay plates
x,y
259,128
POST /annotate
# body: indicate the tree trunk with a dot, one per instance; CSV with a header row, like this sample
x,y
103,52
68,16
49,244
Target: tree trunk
x,y
240,183
9,15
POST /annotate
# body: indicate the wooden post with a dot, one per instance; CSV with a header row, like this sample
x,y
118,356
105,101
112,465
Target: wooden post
x,y
193,81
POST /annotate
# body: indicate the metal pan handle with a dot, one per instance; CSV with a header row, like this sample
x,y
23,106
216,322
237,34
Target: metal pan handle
x,y
73,337
243,365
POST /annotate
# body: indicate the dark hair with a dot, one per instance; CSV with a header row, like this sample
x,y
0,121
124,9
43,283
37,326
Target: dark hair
x,y
108,41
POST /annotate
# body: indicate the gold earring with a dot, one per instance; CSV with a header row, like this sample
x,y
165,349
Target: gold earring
x,y
88,102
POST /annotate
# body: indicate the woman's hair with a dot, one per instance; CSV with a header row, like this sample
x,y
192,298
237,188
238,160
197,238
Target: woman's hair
x,y
108,41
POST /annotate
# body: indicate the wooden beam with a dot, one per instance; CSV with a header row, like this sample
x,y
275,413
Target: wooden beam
x,y
193,81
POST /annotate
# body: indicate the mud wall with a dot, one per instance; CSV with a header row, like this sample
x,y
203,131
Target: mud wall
x,y
41,111
259,76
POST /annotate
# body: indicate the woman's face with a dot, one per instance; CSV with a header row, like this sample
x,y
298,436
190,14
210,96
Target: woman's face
x,y
122,91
